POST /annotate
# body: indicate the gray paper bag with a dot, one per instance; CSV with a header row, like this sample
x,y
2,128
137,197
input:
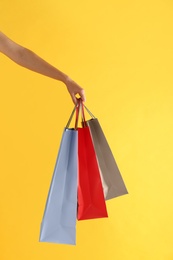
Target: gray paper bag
x,y
113,184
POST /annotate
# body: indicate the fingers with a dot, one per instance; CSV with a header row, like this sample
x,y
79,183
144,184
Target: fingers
x,y
82,95
74,99
75,89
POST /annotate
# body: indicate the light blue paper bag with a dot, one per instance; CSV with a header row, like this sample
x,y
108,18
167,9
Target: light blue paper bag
x,y
59,220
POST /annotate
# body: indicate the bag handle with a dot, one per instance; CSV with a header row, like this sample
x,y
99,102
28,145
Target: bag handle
x,y
84,124
79,109
82,106
75,109
89,112
77,115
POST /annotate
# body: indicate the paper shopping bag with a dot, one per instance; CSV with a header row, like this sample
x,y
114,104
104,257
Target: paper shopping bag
x,y
91,202
112,181
59,220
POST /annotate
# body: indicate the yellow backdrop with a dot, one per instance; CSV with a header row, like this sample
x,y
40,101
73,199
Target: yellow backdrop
x,y
121,52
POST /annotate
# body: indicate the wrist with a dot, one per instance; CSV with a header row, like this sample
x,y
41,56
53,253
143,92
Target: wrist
x,y
67,80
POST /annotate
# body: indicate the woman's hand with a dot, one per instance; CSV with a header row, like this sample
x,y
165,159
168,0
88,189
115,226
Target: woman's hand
x,y
74,89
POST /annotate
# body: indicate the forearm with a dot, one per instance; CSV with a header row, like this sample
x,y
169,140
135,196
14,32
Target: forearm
x,y
30,60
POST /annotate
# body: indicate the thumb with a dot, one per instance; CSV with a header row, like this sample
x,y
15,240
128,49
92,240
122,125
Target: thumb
x,y
82,95
74,99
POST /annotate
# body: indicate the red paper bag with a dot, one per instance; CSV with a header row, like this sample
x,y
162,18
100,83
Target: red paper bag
x,y
91,202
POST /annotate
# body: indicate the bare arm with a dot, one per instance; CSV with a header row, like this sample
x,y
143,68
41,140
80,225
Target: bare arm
x,y
30,60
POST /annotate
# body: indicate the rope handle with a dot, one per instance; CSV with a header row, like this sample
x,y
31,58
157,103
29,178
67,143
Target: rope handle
x,y
79,109
89,112
75,109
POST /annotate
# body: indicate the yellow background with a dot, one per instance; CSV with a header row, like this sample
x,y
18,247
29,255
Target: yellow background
x,y
121,52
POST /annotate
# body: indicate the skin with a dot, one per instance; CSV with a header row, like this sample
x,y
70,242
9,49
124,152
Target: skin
x,y
28,59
